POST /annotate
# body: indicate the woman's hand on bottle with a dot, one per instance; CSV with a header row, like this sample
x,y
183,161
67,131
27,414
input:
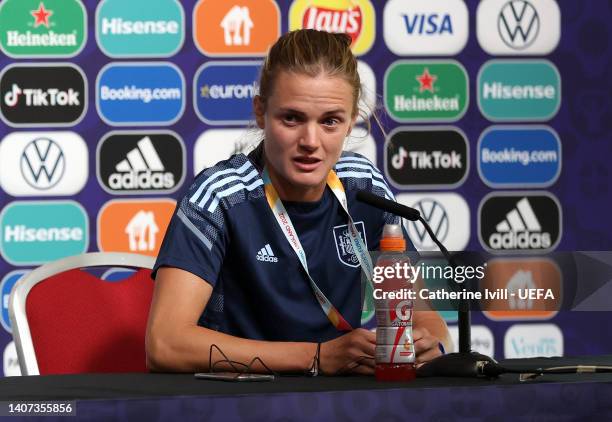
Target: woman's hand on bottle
x,y
352,352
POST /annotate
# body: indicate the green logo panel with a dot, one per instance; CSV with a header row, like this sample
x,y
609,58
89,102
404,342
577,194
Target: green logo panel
x,y
526,90
32,233
140,28
426,91
42,28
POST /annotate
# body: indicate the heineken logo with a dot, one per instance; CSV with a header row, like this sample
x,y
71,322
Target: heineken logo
x,y
47,28
426,91
426,81
41,16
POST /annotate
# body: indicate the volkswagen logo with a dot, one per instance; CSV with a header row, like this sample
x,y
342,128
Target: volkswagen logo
x,y
42,163
518,24
436,216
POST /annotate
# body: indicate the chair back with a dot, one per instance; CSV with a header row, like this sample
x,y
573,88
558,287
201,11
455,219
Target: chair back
x,y
66,320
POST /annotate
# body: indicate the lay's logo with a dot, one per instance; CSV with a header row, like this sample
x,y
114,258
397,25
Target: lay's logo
x,y
355,18
332,20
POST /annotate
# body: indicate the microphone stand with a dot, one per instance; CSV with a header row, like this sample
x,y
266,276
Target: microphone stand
x,y
465,363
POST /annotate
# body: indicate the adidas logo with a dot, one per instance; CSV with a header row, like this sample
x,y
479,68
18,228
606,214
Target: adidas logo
x,y
265,254
141,169
520,230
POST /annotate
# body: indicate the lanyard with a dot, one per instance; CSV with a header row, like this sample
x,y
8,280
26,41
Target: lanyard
x,y
284,221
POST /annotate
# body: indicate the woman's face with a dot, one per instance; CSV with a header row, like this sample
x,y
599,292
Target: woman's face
x,y
305,122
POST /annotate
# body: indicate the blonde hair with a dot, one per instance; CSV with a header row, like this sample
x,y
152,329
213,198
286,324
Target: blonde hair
x,y
311,52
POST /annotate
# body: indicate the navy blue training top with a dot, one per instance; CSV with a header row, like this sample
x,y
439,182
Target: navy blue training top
x,y
224,232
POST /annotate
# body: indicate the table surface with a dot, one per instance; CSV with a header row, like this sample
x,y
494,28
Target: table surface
x,y
141,385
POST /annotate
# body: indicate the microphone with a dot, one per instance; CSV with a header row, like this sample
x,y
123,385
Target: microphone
x,y
387,205
402,211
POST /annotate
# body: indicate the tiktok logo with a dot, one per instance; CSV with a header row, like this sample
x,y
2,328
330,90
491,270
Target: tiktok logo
x,y
12,97
42,94
397,161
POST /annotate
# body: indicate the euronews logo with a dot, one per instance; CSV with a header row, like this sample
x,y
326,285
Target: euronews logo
x,y
229,91
223,92
37,232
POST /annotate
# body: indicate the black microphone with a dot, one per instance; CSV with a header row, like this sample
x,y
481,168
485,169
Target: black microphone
x,y
402,211
387,205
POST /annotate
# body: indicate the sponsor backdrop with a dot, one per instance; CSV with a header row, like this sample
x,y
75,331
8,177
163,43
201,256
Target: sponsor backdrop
x,y
497,116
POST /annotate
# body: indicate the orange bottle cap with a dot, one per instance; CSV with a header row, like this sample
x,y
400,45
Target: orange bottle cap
x,y
395,244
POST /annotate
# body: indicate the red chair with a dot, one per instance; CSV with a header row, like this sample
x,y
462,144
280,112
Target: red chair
x,y
66,320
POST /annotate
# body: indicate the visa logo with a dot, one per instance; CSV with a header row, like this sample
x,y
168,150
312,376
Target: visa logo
x,y
427,24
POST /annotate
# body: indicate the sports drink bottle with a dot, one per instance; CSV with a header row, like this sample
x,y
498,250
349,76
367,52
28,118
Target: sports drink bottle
x,y
395,356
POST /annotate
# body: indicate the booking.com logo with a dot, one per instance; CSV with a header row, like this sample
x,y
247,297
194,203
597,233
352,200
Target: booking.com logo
x,y
140,94
519,156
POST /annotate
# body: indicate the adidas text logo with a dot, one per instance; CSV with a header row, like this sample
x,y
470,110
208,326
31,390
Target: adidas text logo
x,y
141,169
520,230
265,254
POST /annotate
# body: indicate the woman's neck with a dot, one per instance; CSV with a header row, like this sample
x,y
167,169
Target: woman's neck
x,y
290,192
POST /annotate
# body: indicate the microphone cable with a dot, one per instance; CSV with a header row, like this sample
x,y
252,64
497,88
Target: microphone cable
x,y
494,369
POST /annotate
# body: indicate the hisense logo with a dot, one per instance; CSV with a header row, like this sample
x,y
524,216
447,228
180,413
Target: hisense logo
x,y
23,233
119,26
35,232
499,90
510,90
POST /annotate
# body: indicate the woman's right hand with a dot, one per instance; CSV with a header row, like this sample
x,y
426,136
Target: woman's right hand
x,y
352,352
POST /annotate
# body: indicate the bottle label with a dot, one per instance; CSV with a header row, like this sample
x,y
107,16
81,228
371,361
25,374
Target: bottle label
x,y
394,342
403,353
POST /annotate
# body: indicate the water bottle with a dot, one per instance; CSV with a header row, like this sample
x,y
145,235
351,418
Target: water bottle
x,y
395,355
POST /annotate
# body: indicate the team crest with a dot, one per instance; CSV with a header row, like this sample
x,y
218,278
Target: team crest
x,y
346,254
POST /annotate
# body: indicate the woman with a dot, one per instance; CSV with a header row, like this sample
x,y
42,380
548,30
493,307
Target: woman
x,y
258,258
